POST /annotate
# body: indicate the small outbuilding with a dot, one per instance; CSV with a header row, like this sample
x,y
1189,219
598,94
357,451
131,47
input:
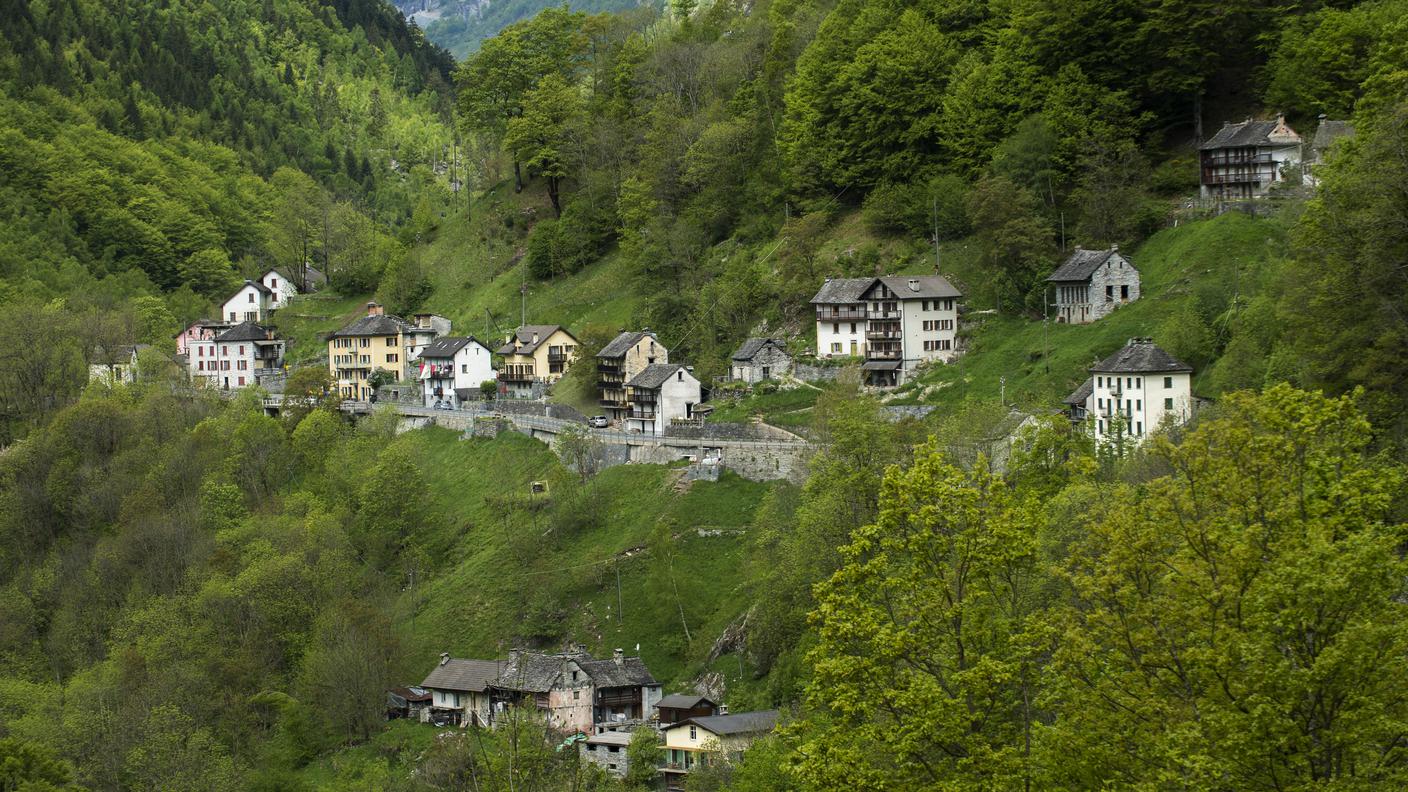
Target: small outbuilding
x,y
760,359
1090,284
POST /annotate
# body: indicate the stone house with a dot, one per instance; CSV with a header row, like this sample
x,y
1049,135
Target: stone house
x,y
575,691
677,707
459,690
1092,283
283,287
658,395
760,359
420,332
1243,160
533,358
607,750
1134,392
452,368
116,366
628,354
1327,133
704,740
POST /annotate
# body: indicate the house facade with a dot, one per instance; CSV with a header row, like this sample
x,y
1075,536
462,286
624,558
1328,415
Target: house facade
x,y
677,707
841,317
459,690
759,359
1244,160
251,302
574,691
1134,392
660,393
894,322
1090,284
628,354
607,750
199,330
701,741
120,367
451,369
373,343
533,358
423,329
1327,133
281,288
243,355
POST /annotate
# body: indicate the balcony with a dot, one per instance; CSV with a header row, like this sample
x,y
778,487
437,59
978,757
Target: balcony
x,y
616,369
883,354
641,415
1238,178
1236,159
611,384
825,314
883,335
557,357
619,404
516,374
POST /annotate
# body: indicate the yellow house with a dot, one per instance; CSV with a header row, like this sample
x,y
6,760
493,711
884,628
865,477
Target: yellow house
x,y
534,356
706,739
375,342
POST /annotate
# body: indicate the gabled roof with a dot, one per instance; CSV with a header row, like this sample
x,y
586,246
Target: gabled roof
x,y
623,343
1082,263
753,346
734,723
522,339
682,701
457,674
245,331
654,375
925,287
260,287
1080,395
533,672
842,290
1251,133
1328,132
448,346
1141,355
627,672
383,325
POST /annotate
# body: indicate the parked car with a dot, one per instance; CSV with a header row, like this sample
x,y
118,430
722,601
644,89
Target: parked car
x,y
598,422
442,405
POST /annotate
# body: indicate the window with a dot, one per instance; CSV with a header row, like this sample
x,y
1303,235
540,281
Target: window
x,y
250,296
1139,427
1124,292
391,341
613,749
576,695
244,365
1138,382
241,349
1139,404
836,346
1109,293
241,381
276,296
1100,427
591,748
835,327
693,732
1168,382
1129,382
366,342
1099,382
464,368
853,327
1168,404
392,357
1100,403
232,316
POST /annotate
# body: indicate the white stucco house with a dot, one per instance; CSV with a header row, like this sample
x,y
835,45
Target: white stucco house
x,y
452,368
660,393
895,322
240,356
251,302
709,739
1134,392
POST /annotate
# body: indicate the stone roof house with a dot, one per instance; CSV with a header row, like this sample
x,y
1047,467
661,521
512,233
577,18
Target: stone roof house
x,y
1243,160
1134,392
1090,284
759,359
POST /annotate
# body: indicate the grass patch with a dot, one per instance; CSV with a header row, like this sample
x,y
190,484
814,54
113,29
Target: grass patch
x,y
775,406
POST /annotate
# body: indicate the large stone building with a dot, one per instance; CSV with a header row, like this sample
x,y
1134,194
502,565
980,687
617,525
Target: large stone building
x,y
1243,160
1092,283
628,354
1134,392
759,359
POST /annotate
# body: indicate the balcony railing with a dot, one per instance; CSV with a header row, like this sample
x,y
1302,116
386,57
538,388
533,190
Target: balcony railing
x,y
619,403
824,314
883,354
883,335
1238,178
611,385
557,357
610,368
882,314
1236,159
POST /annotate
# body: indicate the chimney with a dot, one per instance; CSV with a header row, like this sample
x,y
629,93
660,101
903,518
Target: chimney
x,y
1322,118
1114,248
444,658
535,336
374,309
723,709
619,655
914,284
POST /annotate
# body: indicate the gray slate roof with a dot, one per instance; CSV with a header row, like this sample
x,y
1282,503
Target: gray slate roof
x,y
1081,394
522,343
1081,264
736,723
1245,133
654,375
256,284
447,346
681,701
1140,355
924,286
457,674
536,672
842,290
245,331
622,343
384,325
1328,132
753,346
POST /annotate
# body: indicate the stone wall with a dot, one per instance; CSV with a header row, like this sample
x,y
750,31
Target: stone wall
x,y
536,408
727,431
813,373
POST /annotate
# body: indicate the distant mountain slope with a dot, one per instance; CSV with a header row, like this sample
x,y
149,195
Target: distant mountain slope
x,y
459,25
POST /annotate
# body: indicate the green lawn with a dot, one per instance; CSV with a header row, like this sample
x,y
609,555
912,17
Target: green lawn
x,y
784,407
1211,259
305,321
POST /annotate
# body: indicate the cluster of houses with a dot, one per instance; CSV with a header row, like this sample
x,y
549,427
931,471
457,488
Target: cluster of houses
x,y
1246,159
599,701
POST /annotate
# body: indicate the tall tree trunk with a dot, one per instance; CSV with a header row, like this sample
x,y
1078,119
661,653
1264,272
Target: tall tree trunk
x,y
554,195
517,177
1198,117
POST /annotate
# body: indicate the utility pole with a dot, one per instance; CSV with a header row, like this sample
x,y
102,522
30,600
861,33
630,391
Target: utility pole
x,y
1002,390
523,302
1045,323
934,218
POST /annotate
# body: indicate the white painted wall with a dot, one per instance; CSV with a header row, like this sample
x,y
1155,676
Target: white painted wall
x,y
283,289
1148,402
471,365
840,337
248,304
